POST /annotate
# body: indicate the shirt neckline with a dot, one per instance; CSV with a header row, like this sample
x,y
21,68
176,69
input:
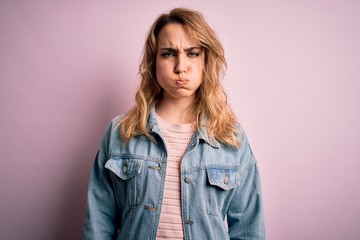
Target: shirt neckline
x,y
178,128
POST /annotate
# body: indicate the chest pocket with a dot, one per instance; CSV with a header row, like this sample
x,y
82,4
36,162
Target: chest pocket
x,y
127,171
221,179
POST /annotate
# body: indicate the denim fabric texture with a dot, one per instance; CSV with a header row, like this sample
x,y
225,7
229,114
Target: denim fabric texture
x,y
218,183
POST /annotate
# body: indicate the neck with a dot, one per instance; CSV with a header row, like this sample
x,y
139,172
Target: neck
x,y
176,111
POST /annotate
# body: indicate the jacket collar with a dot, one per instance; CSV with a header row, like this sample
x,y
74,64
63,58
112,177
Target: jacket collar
x,y
201,133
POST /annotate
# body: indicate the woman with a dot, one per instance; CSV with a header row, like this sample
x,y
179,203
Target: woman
x,y
177,165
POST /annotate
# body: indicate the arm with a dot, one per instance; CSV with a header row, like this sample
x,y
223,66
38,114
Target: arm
x,y
245,214
101,212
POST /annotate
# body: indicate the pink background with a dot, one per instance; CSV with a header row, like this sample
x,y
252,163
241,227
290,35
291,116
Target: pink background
x,y
293,79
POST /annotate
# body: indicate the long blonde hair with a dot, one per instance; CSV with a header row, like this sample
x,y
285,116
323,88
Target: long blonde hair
x,y
210,105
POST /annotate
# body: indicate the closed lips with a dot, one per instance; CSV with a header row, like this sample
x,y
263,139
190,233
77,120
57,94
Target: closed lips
x,y
181,82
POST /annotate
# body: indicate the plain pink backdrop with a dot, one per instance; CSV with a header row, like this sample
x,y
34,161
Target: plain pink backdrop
x,y
67,68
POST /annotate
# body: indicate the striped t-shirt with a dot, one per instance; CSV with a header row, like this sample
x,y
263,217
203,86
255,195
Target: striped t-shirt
x,y
177,138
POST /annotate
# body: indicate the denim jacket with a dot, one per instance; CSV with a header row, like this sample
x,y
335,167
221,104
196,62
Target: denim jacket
x,y
219,185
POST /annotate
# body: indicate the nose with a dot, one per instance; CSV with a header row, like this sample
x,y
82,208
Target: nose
x,y
180,65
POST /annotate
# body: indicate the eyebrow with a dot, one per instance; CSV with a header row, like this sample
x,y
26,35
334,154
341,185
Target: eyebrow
x,y
170,49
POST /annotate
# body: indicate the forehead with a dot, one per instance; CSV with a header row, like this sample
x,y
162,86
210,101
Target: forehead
x,y
175,34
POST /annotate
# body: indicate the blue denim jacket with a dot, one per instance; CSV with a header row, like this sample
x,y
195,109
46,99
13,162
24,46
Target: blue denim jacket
x,y
218,183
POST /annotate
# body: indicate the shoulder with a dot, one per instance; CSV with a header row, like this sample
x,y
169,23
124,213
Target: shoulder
x,y
111,135
247,154
244,152
114,125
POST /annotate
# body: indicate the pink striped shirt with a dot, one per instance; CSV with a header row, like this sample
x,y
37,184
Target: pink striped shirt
x,y
177,138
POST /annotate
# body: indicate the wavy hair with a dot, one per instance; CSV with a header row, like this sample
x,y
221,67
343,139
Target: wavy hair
x,y
210,106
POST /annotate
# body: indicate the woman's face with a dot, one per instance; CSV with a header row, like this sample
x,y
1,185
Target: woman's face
x,y
179,62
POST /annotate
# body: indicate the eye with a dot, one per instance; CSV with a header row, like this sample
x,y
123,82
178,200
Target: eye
x,y
193,54
167,54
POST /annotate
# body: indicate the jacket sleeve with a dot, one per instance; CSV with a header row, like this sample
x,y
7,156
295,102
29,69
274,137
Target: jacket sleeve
x,y
245,214
101,211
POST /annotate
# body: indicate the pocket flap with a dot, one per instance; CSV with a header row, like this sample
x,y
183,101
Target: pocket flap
x,y
125,168
225,178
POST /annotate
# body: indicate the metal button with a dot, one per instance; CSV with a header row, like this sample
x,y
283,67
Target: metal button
x,y
155,167
152,209
226,179
125,169
188,179
190,221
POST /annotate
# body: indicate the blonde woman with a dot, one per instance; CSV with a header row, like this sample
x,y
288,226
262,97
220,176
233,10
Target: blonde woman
x,y
177,165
